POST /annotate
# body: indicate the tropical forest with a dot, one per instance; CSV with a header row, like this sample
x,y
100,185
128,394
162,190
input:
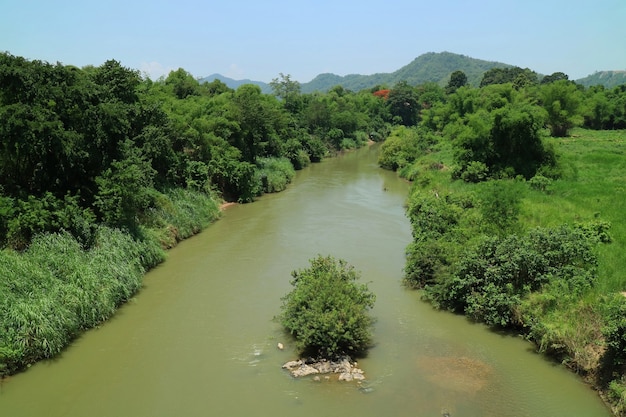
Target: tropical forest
x,y
515,201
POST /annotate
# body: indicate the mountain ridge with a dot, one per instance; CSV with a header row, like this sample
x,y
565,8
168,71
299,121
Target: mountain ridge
x,y
232,83
608,79
433,67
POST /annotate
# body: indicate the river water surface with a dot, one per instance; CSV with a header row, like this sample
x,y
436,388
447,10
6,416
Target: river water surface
x,y
199,339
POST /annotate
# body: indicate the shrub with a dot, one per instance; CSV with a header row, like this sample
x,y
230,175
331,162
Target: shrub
x,y
475,171
614,332
432,216
327,310
500,206
540,183
296,154
275,173
400,149
491,279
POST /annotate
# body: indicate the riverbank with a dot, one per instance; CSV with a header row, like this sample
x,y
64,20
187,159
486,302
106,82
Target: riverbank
x,y
227,204
57,288
202,324
497,267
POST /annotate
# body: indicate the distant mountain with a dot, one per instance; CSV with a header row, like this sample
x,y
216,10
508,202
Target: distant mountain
x,y
265,88
609,79
430,67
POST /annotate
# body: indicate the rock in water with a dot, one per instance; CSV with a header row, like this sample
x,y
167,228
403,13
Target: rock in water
x,y
344,367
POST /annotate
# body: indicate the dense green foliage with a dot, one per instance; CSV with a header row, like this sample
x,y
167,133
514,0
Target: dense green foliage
x,y
101,169
100,145
490,278
542,257
327,311
516,228
101,164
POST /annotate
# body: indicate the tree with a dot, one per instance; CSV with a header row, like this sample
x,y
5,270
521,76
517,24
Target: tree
x,y
183,84
520,77
215,87
287,90
124,189
507,140
327,311
403,103
457,79
117,82
253,120
562,100
516,137
555,76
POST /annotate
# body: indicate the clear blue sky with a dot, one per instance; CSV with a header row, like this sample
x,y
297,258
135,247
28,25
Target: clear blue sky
x,y
259,39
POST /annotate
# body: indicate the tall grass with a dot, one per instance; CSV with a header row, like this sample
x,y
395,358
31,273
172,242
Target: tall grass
x,y
179,214
275,173
56,289
592,187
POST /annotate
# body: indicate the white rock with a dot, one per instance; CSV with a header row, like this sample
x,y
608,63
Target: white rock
x,y
293,364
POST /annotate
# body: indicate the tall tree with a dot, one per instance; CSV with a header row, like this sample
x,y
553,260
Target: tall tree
x,y
458,79
182,83
562,101
288,91
555,76
403,103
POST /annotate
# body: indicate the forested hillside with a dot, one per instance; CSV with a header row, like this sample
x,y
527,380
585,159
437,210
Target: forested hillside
x,y
234,84
608,79
427,68
431,67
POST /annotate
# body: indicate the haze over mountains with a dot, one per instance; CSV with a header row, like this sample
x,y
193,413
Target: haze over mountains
x,y
430,67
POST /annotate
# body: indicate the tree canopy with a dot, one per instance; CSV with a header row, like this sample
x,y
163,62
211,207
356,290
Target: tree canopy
x,y
327,311
110,142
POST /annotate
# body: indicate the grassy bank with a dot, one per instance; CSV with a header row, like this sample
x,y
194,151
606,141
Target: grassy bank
x,y
57,289
542,256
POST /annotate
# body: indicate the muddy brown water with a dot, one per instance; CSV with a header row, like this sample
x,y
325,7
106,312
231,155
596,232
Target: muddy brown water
x,y
199,339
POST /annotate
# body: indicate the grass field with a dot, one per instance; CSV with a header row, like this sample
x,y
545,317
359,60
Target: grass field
x,y
593,186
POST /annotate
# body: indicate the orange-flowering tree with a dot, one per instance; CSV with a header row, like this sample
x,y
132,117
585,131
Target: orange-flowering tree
x,y
382,93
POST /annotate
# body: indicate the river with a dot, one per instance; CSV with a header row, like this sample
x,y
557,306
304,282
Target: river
x,y
199,338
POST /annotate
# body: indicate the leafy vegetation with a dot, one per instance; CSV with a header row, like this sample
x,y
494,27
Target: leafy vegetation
x,y
98,163
327,311
512,218
101,170
56,289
